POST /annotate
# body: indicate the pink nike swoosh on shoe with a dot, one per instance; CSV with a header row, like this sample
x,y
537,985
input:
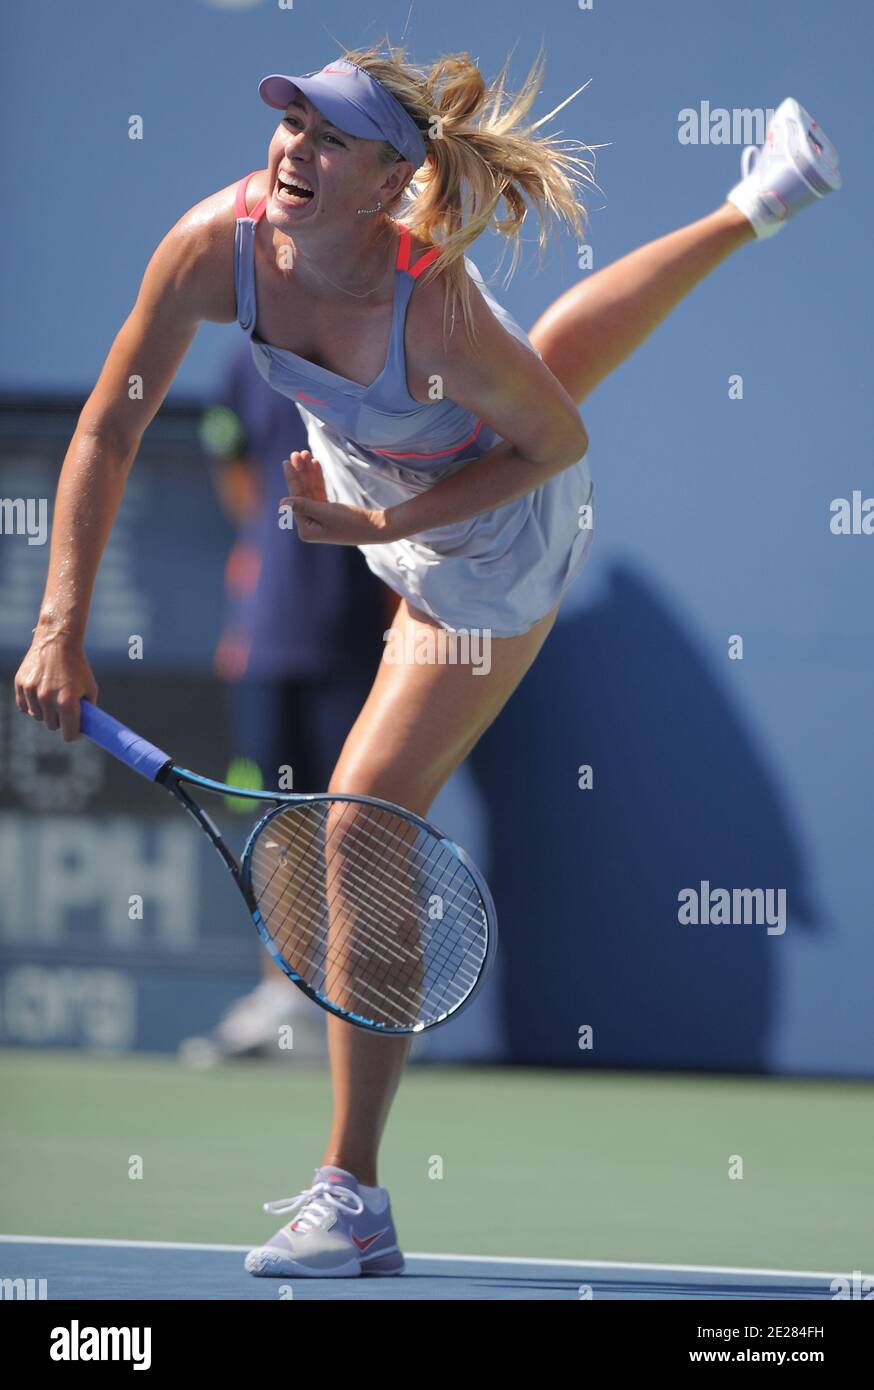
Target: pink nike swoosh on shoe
x,y
368,1240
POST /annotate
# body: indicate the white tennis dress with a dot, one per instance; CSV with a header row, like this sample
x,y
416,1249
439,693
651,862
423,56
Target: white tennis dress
x,y
378,446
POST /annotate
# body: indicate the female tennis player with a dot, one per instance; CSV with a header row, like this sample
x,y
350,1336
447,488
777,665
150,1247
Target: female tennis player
x,y
443,441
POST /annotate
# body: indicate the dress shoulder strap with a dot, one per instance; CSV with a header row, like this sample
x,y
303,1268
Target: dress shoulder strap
x,y
405,251
240,206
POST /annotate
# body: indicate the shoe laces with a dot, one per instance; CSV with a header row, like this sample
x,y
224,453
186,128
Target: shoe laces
x,y
319,1200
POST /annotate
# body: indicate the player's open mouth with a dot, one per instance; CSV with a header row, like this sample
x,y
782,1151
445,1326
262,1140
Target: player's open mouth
x,y
291,191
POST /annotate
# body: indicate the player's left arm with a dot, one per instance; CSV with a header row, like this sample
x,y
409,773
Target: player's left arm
x,y
506,385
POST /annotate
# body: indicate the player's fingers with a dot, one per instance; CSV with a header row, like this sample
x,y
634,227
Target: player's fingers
x,y
68,715
307,473
319,490
31,702
292,469
295,480
48,702
20,697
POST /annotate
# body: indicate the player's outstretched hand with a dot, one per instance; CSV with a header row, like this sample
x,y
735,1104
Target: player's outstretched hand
x,y
304,476
315,518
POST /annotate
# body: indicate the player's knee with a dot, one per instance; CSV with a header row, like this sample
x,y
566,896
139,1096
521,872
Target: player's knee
x,y
413,786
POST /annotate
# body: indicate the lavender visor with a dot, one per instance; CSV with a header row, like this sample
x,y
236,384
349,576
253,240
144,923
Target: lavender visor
x,y
353,101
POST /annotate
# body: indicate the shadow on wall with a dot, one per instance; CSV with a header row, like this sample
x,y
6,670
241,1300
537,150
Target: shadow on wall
x,y
586,882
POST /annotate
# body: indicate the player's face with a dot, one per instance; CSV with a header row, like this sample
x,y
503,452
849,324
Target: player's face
x,y
334,174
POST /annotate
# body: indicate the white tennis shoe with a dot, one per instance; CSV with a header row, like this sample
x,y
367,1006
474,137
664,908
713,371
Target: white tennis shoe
x,y
796,166
337,1231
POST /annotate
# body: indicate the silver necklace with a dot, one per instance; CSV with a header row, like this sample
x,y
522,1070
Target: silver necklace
x,y
354,293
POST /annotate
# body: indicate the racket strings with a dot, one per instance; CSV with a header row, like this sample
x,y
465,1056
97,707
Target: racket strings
x,y
391,954
371,881
373,911
391,944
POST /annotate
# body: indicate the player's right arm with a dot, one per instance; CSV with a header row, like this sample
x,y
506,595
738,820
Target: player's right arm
x,y
189,278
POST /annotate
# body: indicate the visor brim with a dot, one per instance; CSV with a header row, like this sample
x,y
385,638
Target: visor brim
x,y
277,91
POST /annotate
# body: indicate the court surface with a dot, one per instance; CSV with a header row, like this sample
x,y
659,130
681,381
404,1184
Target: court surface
x,y
131,1177
129,1270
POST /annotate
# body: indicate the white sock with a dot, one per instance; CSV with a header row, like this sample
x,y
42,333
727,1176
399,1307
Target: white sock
x,y
762,210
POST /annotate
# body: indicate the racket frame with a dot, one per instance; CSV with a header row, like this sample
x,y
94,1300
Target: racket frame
x,y
172,776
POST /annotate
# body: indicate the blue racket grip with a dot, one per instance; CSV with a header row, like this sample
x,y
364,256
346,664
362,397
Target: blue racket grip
x,y
116,738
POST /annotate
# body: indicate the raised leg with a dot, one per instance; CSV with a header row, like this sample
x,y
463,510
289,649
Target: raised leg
x,y
595,325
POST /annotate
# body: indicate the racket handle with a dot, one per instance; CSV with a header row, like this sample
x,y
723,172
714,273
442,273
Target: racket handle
x,y
116,738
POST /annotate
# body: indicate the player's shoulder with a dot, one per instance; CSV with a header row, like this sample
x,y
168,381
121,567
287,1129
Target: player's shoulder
x,y
211,223
198,250
437,332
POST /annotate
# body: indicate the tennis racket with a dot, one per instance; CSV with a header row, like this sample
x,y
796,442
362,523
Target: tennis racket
x,y
371,911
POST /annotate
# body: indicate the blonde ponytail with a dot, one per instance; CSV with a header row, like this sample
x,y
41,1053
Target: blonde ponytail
x,y
482,152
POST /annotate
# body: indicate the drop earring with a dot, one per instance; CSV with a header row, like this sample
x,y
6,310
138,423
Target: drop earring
x,y
365,211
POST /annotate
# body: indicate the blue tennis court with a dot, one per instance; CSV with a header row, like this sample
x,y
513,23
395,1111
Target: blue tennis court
x,y
115,1269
